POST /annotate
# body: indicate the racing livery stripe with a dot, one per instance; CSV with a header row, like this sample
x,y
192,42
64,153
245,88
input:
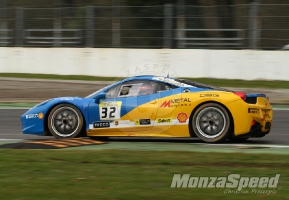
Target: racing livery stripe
x,y
126,123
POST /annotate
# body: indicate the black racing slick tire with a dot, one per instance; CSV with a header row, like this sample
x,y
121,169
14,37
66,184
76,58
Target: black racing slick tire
x,y
65,121
211,123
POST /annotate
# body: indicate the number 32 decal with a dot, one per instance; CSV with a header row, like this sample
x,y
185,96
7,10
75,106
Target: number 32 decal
x,y
109,110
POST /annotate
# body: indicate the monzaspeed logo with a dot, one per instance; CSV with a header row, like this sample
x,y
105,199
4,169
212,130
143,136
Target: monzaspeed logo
x,y
231,181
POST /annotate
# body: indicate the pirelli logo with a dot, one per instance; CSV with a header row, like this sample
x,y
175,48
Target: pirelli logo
x,y
65,143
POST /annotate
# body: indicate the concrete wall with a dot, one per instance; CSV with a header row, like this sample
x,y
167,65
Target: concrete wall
x,y
229,64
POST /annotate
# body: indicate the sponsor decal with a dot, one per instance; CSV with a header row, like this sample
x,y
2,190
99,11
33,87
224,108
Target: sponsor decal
x,y
109,110
253,110
40,115
176,102
110,104
233,183
142,121
31,116
101,124
120,123
182,117
209,95
164,120
66,99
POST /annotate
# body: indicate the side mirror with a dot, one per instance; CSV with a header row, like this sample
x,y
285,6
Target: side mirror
x,y
101,95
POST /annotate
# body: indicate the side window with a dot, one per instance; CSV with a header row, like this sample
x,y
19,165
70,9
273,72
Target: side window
x,y
129,90
164,87
137,88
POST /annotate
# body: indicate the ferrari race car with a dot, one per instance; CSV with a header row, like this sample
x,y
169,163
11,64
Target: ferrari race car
x,y
154,106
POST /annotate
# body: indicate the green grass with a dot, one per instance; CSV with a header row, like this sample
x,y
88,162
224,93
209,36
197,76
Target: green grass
x,y
119,174
217,82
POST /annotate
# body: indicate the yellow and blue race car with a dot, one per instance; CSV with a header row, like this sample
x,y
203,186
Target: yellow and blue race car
x,y
154,106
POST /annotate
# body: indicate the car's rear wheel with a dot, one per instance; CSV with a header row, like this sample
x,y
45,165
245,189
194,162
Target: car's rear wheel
x,y
211,123
65,121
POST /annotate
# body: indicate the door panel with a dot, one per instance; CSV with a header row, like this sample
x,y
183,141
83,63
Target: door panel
x,y
123,114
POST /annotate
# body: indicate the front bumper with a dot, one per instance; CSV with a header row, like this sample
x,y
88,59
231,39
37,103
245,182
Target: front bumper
x,y
32,124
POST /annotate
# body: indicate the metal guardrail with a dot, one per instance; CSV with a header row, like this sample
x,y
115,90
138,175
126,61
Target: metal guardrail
x,y
55,36
183,42
6,36
123,25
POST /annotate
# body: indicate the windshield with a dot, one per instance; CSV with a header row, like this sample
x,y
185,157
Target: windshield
x,y
91,95
103,89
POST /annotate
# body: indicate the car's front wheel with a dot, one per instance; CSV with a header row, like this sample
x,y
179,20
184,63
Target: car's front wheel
x,y
65,121
211,123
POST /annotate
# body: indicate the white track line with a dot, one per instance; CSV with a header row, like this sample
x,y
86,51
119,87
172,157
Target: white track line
x,y
280,108
251,145
10,139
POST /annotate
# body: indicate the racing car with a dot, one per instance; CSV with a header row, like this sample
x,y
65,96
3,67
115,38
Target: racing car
x,y
154,106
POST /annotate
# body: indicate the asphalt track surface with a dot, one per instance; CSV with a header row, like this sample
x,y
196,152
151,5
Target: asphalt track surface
x,y
10,128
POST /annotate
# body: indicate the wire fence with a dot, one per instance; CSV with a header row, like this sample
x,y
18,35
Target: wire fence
x,y
244,26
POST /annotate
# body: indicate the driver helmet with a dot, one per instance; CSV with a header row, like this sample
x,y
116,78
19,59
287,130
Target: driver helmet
x,y
145,89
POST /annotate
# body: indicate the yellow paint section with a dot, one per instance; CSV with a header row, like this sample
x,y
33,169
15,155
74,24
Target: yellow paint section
x,y
243,119
169,107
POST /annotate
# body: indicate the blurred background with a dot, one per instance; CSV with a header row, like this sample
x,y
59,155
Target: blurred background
x,y
175,24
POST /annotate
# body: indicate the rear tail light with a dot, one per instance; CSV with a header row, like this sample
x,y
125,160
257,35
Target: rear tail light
x,y
253,122
242,95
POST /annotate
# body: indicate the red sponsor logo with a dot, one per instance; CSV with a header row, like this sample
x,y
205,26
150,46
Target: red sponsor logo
x,y
176,103
182,117
166,104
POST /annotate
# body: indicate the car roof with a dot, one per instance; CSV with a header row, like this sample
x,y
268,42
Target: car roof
x,y
144,77
175,81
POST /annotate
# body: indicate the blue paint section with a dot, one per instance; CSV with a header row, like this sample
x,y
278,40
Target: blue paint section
x,y
34,125
256,95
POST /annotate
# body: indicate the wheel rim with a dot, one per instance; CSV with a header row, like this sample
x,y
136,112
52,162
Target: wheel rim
x,y
211,122
65,121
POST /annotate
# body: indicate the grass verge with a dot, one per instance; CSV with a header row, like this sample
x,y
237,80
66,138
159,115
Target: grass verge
x,y
216,82
110,174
